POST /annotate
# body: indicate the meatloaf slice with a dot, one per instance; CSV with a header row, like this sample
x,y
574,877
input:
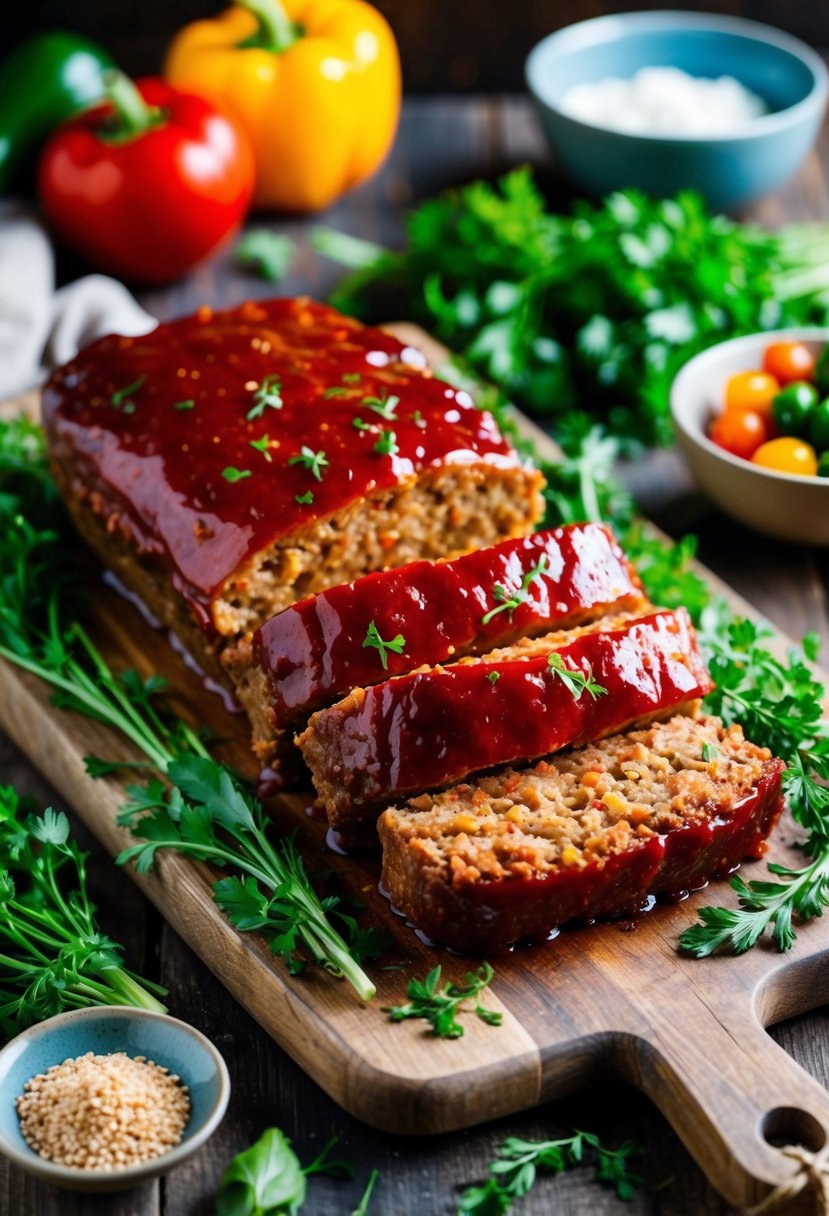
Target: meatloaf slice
x,y
318,649
434,726
230,463
593,833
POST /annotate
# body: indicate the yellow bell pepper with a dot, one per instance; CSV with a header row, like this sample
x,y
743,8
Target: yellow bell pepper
x,y
316,83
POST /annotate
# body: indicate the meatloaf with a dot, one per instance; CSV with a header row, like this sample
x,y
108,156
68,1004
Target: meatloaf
x,y
230,463
394,621
434,726
592,833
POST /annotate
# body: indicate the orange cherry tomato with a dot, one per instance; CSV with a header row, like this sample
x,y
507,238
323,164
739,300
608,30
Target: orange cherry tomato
x,y
787,455
751,391
740,432
789,361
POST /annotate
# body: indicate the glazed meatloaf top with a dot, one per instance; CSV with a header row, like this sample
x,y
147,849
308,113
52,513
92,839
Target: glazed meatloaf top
x,y
217,434
433,612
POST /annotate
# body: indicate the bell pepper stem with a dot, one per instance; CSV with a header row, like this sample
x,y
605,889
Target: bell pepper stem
x,y
132,116
277,32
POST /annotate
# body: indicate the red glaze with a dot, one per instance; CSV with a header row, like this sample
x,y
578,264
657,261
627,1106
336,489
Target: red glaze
x,y
313,651
490,915
429,729
160,468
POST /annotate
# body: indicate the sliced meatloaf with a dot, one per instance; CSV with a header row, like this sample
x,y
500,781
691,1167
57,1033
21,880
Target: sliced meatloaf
x,y
592,833
434,726
394,621
230,463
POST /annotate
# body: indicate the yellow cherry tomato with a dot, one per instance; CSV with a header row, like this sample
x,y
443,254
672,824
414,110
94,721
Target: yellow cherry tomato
x,y
751,391
787,455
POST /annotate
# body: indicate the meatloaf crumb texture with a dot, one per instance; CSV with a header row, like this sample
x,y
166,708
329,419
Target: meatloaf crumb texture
x,y
591,833
432,727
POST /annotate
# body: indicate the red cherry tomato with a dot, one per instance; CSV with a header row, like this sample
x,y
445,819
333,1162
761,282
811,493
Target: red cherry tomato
x,y
751,391
740,432
789,361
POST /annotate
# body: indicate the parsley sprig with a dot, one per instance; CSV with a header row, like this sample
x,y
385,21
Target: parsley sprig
x,y
268,396
509,601
53,955
269,1178
440,1007
372,639
384,405
515,1170
190,803
573,679
313,461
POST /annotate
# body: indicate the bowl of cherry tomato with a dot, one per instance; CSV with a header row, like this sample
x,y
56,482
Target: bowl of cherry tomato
x,y
752,417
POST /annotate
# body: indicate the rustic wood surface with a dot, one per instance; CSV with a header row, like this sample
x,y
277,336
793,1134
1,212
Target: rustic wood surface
x,y
440,142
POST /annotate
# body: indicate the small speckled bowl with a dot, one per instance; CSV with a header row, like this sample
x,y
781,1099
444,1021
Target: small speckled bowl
x,y
782,505
136,1032
727,169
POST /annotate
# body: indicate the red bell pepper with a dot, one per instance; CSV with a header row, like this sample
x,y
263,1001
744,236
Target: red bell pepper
x,y
148,183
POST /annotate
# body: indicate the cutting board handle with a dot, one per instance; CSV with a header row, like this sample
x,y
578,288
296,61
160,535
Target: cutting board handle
x,y
733,1096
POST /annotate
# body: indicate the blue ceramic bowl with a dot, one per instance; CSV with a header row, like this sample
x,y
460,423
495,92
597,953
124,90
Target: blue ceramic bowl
x,y
727,170
136,1032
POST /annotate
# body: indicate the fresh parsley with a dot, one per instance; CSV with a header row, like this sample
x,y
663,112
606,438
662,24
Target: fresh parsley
x,y
710,753
362,1207
336,390
440,1007
189,404
573,679
262,445
509,602
191,803
305,499
387,444
494,677
359,425
373,639
596,309
122,400
313,461
515,1170
268,253
233,475
351,377
268,396
53,955
384,405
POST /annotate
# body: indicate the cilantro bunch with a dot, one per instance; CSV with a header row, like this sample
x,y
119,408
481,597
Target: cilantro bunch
x,y
597,309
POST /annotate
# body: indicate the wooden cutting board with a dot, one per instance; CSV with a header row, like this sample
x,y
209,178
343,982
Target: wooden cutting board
x,y
613,999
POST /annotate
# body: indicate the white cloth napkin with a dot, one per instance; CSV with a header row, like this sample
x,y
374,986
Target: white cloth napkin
x,y
39,326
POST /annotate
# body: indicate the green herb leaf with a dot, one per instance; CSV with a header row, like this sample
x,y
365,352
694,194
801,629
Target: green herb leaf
x,y
232,475
305,499
362,1207
515,1170
576,681
264,1180
262,445
710,753
336,390
359,425
494,677
268,253
268,396
509,602
384,405
315,462
373,638
190,404
122,398
351,377
440,1007
387,444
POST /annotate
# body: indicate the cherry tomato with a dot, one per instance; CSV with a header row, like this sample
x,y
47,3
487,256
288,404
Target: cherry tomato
x,y
789,361
751,391
739,432
823,465
787,455
793,406
819,426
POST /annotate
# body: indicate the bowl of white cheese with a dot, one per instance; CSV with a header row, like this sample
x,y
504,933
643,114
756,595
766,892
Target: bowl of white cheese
x,y
666,101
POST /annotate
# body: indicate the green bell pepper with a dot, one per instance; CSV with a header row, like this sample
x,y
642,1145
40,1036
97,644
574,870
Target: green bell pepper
x,y
47,79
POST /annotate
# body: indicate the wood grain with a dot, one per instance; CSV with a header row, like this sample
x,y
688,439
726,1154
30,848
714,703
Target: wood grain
x,y
610,1000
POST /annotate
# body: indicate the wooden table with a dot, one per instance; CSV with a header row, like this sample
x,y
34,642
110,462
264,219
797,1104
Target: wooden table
x,y
441,141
